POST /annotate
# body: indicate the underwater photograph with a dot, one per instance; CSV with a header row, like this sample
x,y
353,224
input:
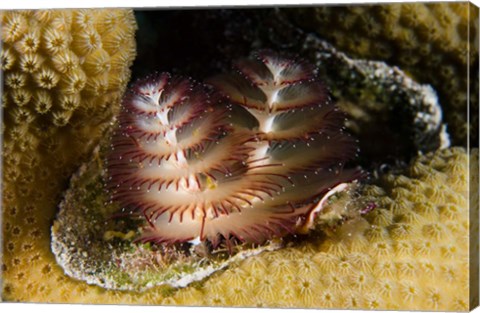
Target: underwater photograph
x,y
319,156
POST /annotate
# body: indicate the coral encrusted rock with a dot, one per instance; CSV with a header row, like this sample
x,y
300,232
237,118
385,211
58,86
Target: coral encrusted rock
x,y
437,43
410,252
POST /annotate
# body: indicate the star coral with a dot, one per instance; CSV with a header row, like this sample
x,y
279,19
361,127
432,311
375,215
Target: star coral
x,y
202,167
58,98
351,269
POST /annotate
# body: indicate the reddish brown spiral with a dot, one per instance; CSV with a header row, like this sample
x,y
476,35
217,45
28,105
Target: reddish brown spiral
x,y
251,164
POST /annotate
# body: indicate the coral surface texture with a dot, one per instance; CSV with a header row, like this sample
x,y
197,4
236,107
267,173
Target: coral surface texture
x,y
64,73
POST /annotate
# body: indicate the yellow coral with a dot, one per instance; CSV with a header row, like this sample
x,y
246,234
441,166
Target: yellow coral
x,y
431,41
48,130
412,260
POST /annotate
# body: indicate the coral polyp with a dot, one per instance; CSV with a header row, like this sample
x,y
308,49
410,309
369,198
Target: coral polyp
x,y
251,159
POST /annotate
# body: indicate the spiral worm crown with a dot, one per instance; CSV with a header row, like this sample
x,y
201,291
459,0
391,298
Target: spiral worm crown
x,y
249,162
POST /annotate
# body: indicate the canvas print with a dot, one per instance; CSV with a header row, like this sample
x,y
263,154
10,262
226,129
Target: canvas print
x,y
321,156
